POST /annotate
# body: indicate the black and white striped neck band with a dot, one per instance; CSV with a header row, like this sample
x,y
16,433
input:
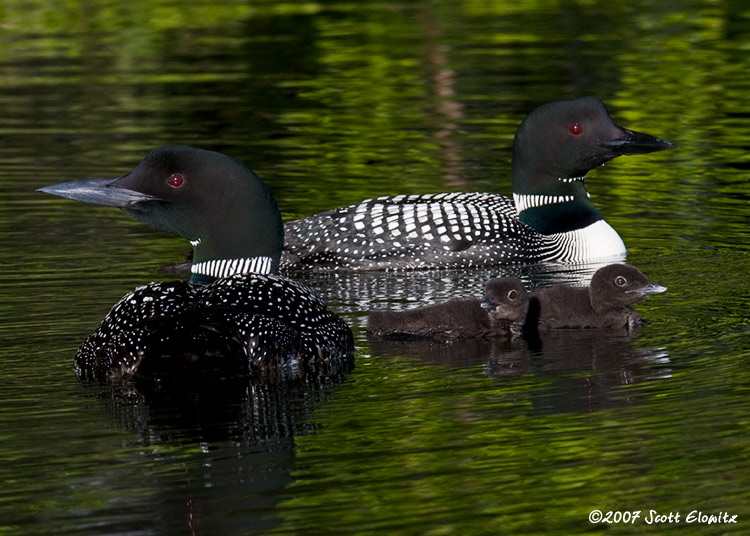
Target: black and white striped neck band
x,y
226,267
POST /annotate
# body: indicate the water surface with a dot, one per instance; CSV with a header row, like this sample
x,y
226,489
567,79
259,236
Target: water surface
x,y
332,103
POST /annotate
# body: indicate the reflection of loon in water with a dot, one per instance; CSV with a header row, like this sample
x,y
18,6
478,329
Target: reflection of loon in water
x,y
584,367
217,452
355,292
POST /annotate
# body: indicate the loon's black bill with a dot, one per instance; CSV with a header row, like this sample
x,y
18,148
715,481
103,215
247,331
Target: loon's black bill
x,y
98,192
636,143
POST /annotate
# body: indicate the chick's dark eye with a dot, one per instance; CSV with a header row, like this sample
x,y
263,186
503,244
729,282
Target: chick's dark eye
x,y
176,180
512,295
620,281
575,128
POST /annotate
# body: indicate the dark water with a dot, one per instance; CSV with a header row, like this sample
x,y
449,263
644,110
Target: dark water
x,y
331,103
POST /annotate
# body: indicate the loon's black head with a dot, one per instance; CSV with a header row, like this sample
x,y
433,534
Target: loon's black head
x,y
617,286
506,299
213,200
559,142
554,148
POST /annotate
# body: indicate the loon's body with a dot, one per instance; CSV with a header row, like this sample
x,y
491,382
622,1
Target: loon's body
x,y
604,304
501,313
550,217
235,315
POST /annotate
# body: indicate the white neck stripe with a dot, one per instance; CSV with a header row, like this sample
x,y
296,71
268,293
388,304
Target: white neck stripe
x,y
226,267
572,179
524,201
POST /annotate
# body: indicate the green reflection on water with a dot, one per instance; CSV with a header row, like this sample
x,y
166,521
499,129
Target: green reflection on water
x,y
407,460
332,103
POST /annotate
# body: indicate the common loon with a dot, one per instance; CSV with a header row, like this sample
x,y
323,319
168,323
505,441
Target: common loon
x,y
501,313
605,303
235,314
549,219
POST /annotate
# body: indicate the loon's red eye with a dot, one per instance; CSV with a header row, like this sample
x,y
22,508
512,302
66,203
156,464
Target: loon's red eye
x,y
575,129
176,180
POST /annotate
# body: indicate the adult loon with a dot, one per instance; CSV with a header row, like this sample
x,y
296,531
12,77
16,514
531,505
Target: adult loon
x,y
605,303
235,314
501,313
549,219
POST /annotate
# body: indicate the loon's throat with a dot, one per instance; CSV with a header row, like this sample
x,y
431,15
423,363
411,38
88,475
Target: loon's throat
x,y
527,201
560,190
550,214
219,268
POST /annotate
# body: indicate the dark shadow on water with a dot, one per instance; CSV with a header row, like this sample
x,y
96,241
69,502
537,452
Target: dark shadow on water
x,y
584,366
216,454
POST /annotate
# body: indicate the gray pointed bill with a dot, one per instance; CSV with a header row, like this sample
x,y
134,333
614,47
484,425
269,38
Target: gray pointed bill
x,y
98,192
652,288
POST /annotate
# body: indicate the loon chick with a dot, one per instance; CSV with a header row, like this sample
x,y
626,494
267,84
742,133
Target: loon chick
x,y
500,314
549,219
604,304
235,313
